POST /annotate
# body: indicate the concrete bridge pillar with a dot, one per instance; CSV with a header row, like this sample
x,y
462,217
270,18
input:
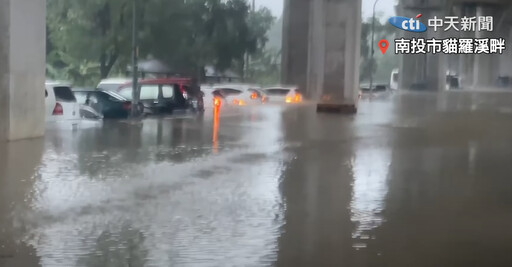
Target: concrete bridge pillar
x,y
466,61
506,58
486,67
22,68
321,50
295,43
422,70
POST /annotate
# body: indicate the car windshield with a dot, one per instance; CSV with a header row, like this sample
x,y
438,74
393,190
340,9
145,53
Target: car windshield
x,y
228,91
277,91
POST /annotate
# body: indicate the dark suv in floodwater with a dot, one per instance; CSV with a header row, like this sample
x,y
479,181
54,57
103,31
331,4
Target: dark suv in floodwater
x,y
166,95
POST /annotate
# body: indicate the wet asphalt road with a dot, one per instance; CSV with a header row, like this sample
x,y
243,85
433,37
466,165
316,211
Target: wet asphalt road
x,y
413,179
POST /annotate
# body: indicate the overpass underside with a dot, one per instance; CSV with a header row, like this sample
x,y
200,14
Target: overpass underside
x,y
321,50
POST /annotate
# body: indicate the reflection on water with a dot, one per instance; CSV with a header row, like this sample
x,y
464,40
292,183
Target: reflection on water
x,y
371,168
129,203
215,130
18,162
412,185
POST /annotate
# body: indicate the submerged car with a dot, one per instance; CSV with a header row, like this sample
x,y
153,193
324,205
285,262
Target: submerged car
x,y
283,94
240,94
106,103
211,97
164,96
60,102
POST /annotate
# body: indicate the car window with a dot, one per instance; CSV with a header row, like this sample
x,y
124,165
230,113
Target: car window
x,y
148,92
217,94
277,91
380,88
229,91
395,77
167,91
64,94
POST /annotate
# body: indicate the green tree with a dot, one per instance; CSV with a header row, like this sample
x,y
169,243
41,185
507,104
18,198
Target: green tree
x,y
382,31
88,36
265,67
192,34
94,36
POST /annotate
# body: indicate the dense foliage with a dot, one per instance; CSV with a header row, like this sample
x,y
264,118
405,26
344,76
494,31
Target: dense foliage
x,y
382,64
90,40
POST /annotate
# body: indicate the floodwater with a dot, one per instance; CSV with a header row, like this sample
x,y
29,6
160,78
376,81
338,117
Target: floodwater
x,y
416,179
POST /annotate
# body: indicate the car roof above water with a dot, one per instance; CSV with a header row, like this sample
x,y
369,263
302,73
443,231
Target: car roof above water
x,y
239,86
289,87
115,80
84,89
51,83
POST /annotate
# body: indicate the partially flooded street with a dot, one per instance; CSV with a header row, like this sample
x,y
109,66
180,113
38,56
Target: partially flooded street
x,y
414,179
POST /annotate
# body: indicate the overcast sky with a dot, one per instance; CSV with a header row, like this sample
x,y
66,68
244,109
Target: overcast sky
x,y
386,7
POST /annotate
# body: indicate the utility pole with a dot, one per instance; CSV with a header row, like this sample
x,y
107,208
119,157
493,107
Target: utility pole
x,y
372,45
135,68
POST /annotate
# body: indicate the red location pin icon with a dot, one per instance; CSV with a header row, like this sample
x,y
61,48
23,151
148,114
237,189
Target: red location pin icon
x,y
383,45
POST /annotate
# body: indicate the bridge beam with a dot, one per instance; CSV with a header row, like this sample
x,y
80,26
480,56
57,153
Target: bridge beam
x,y
22,68
321,50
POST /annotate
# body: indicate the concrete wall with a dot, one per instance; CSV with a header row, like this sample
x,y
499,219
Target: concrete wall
x,y
22,68
321,48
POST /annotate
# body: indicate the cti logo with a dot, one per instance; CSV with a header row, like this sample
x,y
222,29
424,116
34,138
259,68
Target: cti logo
x,y
408,24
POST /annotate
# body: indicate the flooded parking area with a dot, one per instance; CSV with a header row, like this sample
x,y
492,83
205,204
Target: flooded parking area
x,y
414,179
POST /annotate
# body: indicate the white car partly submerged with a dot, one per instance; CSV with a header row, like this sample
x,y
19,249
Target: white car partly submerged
x,y
239,94
283,94
61,104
